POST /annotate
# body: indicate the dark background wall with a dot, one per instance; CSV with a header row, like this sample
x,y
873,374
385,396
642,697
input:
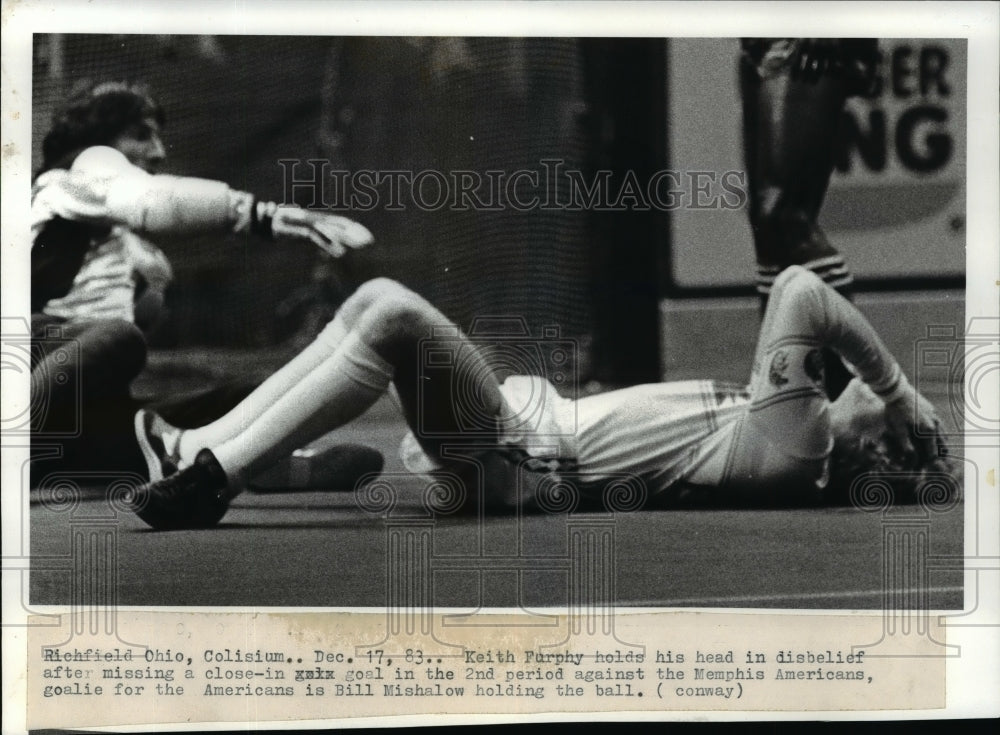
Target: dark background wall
x,y
238,106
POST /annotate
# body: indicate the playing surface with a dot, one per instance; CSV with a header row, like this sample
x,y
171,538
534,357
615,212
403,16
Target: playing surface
x,y
316,549
321,548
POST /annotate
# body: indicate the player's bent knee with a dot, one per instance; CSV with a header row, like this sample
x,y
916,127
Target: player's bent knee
x,y
399,318
117,343
379,288
392,295
367,295
110,357
118,331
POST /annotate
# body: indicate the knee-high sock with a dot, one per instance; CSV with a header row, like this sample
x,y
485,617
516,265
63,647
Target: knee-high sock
x,y
263,397
832,269
337,390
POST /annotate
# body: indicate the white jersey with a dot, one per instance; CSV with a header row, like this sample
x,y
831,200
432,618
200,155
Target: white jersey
x,y
116,258
660,432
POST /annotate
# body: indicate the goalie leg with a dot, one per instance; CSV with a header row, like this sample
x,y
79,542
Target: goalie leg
x,y
790,123
81,383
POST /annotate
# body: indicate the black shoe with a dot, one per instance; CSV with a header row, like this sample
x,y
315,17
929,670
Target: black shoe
x,y
194,497
148,433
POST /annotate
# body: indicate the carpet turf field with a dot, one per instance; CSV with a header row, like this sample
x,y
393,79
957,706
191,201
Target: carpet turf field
x,y
320,548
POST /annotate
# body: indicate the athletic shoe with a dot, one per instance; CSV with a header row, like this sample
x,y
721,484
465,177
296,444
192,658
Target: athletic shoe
x,y
148,433
194,497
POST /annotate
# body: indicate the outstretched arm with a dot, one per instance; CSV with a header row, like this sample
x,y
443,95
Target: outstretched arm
x,y
104,188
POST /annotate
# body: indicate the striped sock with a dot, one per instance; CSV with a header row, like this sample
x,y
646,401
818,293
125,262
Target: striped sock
x,y
831,269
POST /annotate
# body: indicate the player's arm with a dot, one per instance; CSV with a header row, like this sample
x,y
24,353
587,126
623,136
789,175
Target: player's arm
x,y
828,316
103,187
786,436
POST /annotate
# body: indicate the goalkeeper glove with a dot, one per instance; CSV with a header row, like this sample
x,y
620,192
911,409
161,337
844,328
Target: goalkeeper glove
x,y
333,233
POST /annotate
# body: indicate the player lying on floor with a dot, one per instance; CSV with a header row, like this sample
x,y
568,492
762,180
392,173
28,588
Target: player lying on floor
x,y
781,437
98,278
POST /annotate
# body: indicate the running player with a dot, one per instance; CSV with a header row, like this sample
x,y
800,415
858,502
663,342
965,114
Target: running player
x,y
782,438
98,280
793,92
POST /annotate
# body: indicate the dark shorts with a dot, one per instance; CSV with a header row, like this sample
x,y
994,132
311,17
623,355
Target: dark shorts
x,y
854,59
82,414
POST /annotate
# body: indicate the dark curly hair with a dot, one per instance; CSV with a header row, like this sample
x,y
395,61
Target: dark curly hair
x,y
864,471
95,114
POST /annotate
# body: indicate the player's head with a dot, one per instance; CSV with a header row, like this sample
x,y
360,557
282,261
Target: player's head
x,y
115,114
864,444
